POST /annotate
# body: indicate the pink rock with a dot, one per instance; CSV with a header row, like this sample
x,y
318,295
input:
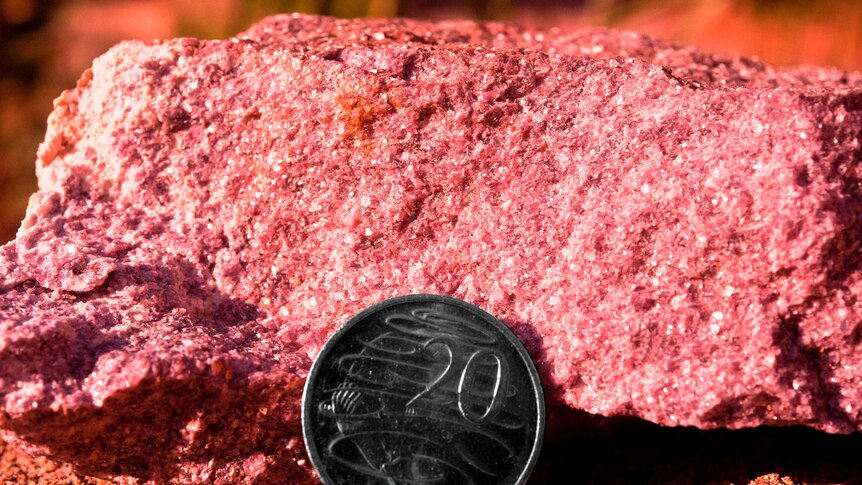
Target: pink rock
x,y
674,235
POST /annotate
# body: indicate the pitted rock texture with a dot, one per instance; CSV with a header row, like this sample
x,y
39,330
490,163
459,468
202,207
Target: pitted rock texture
x,y
674,235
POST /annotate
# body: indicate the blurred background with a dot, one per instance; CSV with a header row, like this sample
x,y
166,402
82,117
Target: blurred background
x,y
46,44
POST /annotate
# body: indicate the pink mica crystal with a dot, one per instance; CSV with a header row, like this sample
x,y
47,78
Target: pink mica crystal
x,y
674,235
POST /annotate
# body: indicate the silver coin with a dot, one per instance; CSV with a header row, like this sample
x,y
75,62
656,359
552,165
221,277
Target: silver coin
x,y
423,389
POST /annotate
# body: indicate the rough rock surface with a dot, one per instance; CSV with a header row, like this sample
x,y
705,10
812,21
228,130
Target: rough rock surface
x,y
674,235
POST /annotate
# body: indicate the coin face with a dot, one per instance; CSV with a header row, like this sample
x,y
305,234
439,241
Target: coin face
x,y
423,389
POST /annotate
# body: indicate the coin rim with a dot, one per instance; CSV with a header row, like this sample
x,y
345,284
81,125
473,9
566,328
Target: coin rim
x,y
413,298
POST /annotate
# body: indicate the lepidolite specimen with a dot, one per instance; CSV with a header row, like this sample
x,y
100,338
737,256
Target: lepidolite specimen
x,y
674,235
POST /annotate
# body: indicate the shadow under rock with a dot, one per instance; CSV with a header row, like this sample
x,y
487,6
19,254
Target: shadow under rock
x,y
596,449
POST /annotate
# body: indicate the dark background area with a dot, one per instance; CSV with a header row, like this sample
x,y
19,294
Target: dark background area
x,y
46,44
594,449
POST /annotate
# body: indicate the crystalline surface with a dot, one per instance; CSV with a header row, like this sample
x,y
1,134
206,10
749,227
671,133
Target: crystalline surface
x,y
674,235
